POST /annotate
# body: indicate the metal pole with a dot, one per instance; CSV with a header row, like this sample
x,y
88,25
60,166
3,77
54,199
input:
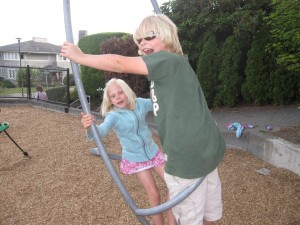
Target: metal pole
x,y
19,39
86,109
29,82
68,90
156,7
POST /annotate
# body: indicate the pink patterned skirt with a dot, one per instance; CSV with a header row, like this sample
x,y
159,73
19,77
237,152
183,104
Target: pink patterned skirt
x,y
127,167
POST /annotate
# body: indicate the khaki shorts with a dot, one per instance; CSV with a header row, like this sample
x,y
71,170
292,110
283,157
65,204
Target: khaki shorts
x,y
205,203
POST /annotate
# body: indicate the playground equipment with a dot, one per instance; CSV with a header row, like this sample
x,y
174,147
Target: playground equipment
x,y
139,213
3,127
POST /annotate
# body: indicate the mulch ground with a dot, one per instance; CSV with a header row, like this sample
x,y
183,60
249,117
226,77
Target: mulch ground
x,y
63,184
291,134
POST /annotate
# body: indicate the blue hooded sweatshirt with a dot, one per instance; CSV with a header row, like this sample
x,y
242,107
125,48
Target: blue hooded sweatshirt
x,y
132,130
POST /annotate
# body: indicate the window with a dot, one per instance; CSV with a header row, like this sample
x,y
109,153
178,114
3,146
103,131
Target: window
x,y
60,58
11,56
12,74
2,72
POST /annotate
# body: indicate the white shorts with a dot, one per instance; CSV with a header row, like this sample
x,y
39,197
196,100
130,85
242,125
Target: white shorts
x,y
205,203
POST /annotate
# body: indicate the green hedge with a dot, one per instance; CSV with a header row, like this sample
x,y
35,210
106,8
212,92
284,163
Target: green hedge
x,y
58,94
93,79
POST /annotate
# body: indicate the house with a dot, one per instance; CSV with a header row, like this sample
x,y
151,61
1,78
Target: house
x,y
35,53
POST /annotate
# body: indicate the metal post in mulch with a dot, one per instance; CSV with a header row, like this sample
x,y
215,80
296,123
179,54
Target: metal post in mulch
x,y
3,127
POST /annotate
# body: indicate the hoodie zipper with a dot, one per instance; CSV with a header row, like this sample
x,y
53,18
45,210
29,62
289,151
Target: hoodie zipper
x,y
137,131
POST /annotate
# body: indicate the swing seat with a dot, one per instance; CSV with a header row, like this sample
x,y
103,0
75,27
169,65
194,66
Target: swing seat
x,y
4,126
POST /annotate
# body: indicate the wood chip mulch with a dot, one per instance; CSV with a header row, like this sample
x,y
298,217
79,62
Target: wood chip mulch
x,y
63,184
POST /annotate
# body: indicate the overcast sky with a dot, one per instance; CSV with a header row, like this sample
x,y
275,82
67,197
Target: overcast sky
x,y
45,19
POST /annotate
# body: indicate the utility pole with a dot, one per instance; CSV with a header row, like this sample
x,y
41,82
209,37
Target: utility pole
x,y
19,39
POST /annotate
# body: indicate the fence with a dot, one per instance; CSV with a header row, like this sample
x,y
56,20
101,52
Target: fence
x,y
21,82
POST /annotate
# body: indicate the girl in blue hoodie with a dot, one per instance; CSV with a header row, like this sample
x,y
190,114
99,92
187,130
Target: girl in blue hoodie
x,y
125,114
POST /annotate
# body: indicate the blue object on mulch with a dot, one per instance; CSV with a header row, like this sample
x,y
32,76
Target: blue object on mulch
x,y
236,126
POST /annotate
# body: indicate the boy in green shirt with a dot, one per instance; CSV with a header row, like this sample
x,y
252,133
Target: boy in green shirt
x,y
188,133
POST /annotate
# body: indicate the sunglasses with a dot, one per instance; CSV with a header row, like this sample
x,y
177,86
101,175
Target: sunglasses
x,y
148,38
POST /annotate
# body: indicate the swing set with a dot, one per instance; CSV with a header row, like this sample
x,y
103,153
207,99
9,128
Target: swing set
x,y
139,213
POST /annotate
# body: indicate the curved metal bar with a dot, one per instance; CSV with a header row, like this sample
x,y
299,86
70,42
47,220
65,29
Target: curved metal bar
x,y
155,6
139,213
83,101
171,203
94,151
165,206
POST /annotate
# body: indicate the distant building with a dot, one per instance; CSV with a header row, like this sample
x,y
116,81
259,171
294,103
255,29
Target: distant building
x,y
82,34
35,53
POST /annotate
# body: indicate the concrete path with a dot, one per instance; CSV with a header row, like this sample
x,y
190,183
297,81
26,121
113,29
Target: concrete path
x,y
277,117
271,149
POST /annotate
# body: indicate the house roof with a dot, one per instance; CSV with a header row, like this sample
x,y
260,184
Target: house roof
x,y
31,47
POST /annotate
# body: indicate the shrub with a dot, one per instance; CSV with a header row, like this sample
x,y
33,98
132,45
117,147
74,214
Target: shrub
x,y
126,46
257,86
57,94
229,77
93,79
71,80
6,84
208,69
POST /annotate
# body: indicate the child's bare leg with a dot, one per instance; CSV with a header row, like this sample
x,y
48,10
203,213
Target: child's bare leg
x,y
209,222
147,180
170,215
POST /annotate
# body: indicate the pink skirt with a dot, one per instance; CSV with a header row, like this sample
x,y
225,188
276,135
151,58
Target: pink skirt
x,y
127,167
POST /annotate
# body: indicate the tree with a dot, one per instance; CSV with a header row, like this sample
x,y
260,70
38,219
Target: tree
x,y
230,79
208,69
244,20
197,19
191,21
285,30
257,87
93,79
285,86
125,46
23,76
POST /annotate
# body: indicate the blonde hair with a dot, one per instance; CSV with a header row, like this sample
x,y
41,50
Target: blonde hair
x,y
107,105
162,27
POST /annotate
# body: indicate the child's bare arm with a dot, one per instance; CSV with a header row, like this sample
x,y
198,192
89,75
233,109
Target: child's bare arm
x,y
107,62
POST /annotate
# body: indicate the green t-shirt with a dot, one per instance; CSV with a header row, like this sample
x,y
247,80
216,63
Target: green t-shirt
x,y
188,133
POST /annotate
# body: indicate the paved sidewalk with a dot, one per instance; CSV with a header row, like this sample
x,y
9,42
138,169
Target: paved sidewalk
x,y
271,149
277,117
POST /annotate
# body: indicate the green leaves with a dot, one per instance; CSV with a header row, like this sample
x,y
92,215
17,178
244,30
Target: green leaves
x,y
284,21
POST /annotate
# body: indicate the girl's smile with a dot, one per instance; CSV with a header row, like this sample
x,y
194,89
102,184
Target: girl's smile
x,y
117,96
